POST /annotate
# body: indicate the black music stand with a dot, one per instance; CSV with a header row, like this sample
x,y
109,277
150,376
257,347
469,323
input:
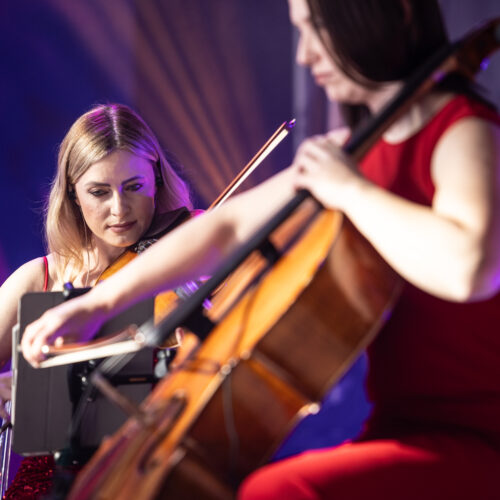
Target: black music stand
x,y
42,408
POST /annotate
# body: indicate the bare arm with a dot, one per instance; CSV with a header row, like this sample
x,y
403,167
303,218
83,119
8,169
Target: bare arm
x,y
451,249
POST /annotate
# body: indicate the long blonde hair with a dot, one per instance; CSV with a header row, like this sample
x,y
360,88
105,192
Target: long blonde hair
x,y
96,134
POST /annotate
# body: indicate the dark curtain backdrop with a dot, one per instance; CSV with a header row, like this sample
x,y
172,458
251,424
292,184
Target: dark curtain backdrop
x,y
214,79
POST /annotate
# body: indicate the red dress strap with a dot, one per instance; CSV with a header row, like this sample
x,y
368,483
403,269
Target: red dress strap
x,y
46,280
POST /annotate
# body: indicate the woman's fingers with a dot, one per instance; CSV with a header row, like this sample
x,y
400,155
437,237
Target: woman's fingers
x,y
324,170
4,415
73,319
35,336
339,135
53,324
5,393
5,385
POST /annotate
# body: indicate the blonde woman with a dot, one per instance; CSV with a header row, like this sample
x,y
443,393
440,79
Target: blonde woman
x,y
113,188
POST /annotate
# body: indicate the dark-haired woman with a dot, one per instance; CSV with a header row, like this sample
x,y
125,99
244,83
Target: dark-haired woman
x,y
427,196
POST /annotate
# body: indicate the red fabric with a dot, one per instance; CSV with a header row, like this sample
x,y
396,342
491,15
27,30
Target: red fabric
x,y
33,479
435,362
413,467
46,279
434,378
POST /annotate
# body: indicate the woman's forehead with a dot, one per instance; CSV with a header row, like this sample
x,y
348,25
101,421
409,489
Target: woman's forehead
x,y
299,12
117,166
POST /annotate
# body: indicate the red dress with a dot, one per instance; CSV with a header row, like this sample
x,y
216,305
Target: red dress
x,y
433,378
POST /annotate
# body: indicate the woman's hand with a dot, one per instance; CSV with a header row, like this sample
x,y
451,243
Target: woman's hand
x,y
325,171
5,393
73,321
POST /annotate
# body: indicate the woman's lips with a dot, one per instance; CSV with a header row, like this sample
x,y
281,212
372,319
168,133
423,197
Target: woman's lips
x,y
122,228
321,78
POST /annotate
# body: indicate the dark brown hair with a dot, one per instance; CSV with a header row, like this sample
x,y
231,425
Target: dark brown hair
x,y
376,41
380,40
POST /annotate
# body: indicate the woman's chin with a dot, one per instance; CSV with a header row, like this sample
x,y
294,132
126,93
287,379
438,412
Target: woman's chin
x,y
122,241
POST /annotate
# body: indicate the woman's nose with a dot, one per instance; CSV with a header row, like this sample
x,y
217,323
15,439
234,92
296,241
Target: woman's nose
x,y
119,204
304,52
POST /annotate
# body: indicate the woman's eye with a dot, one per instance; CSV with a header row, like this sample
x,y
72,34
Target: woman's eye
x,y
134,187
97,192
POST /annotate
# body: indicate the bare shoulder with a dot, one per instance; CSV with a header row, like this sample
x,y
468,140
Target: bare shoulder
x,y
470,146
27,278
471,135
466,172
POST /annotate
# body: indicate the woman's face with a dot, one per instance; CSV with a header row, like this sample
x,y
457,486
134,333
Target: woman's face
x,y
311,52
117,198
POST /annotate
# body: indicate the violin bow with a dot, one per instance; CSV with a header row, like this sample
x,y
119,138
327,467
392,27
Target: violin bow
x,y
281,132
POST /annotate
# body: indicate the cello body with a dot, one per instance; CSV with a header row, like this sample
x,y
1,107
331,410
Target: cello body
x,y
274,352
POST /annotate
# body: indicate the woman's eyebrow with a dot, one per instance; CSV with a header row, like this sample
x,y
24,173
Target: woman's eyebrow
x,y
135,178
106,184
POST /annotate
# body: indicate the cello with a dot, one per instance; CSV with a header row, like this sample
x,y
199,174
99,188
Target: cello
x,y
203,430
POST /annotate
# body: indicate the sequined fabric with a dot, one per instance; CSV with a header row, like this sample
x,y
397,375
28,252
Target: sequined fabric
x,y
33,480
